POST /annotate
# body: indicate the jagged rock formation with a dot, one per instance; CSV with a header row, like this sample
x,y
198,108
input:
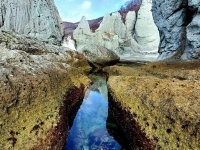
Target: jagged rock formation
x,y
35,78
38,18
82,33
157,104
146,33
127,39
192,50
178,23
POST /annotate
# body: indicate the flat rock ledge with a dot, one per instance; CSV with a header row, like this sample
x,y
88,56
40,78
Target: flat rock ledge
x,y
159,104
40,86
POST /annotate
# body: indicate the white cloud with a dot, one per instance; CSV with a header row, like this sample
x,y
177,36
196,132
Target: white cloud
x,y
86,5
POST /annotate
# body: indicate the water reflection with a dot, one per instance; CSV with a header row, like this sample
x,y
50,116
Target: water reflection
x,y
89,127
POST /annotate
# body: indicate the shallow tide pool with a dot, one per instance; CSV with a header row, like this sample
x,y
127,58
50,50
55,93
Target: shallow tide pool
x,y
88,131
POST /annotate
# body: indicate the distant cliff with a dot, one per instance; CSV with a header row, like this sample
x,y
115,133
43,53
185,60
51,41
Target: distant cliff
x,y
131,5
129,33
38,18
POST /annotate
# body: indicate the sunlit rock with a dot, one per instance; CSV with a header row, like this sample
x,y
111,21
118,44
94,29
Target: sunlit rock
x,y
35,77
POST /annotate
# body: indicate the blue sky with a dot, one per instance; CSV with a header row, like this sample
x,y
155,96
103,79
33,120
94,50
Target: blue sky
x,y
73,10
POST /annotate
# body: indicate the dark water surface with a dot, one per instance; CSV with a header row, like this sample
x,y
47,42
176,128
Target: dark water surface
x,y
88,131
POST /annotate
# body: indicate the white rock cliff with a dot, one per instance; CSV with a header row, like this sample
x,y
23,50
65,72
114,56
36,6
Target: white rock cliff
x,y
38,18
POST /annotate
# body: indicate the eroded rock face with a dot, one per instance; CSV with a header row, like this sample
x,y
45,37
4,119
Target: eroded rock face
x,y
178,23
82,33
38,18
192,50
34,78
146,33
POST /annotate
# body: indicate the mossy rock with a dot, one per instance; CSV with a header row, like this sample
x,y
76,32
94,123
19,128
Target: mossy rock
x,y
163,99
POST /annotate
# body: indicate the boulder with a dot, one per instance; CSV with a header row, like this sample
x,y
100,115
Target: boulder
x,y
38,18
69,43
99,55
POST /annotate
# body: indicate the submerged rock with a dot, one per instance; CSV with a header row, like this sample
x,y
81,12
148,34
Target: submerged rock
x,y
38,18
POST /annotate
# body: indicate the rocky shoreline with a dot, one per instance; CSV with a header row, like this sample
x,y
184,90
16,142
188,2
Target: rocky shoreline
x,y
42,85
159,101
35,78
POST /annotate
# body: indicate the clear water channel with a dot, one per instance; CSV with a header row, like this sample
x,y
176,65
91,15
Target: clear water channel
x,y
89,131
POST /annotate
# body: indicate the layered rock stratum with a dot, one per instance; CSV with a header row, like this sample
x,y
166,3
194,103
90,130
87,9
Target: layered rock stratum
x,y
179,24
38,18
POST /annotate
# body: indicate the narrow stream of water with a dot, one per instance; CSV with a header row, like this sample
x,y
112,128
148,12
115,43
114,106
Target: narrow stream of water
x,y
88,131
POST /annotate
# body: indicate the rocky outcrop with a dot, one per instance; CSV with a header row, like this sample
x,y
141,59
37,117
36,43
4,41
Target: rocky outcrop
x,y
129,39
178,23
82,34
146,33
39,19
157,105
99,56
192,50
40,84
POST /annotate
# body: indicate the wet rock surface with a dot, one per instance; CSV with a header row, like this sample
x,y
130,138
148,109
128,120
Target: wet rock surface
x,y
161,98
